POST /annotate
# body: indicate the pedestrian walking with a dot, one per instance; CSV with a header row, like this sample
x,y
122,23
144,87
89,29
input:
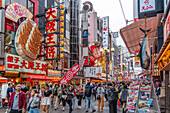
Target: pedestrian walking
x,y
106,90
55,94
100,97
79,95
88,94
46,100
112,97
123,96
24,88
37,86
17,101
9,90
64,93
69,97
33,105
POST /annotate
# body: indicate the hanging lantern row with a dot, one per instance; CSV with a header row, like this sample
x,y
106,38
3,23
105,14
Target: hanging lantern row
x,y
61,30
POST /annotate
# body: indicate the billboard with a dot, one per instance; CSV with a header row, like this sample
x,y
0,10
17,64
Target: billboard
x,y
28,40
54,73
150,8
17,63
92,71
105,31
15,11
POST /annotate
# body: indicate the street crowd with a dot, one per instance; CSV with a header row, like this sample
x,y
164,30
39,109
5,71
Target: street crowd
x,y
57,94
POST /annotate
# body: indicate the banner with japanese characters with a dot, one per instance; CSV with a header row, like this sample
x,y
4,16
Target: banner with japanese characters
x,y
96,52
70,74
16,63
105,31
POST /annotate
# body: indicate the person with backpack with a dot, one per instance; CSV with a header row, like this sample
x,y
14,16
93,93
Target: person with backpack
x,y
69,97
112,97
100,97
123,96
88,96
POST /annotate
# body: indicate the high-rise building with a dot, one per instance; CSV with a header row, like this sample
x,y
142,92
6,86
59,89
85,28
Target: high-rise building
x,y
74,31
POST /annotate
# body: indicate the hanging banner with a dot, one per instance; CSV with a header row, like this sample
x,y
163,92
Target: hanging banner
x,y
54,73
70,74
105,31
16,63
96,52
15,11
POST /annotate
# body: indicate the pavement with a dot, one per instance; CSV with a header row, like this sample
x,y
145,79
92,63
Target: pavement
x,y
75,110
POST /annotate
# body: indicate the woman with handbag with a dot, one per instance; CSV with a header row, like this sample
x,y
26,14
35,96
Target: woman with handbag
x,y
33,105
100,97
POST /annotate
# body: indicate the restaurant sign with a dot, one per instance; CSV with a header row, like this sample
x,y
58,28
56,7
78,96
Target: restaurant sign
x,y
149,8
15,11
54,73
16,63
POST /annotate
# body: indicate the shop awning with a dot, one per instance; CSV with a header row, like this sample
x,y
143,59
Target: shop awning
x,y
36,77
132,35
163,56
3,79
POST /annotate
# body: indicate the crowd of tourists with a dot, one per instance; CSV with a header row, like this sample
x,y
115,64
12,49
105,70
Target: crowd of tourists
x,y
63,95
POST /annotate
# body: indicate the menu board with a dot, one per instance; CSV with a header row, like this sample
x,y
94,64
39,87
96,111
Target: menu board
x,y
133,97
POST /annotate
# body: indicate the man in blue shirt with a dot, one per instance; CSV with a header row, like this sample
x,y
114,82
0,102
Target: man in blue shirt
x,y
9,90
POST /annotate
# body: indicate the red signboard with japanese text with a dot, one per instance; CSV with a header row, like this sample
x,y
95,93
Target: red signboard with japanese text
x,y
51,38
70,74
16,63
96,52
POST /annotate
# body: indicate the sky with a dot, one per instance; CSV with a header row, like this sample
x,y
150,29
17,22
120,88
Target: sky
x,y
112,9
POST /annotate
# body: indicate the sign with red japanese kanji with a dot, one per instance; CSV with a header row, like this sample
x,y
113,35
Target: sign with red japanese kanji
x,y
51,27
96,52
70,74
51,14
16,63
51,52
51,39
147,5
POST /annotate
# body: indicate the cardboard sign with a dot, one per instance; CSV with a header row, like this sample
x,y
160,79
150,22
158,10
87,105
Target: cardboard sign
x,y
15,11
70,74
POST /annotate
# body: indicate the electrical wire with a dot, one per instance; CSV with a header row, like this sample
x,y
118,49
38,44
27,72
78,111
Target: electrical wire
x,y
123,11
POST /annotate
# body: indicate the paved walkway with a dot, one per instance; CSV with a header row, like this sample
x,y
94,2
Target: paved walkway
x,y
75,110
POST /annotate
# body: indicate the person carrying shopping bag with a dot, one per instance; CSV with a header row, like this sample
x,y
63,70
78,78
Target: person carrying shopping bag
x,y
100,97
33,105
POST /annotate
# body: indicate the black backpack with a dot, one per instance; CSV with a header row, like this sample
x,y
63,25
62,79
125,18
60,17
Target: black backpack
x,y
88,91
